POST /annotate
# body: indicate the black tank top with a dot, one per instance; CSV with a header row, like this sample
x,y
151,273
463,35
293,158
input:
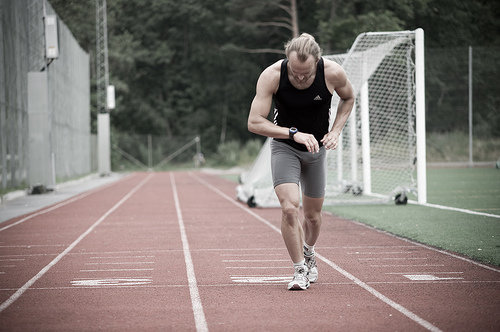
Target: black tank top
x,y
308,110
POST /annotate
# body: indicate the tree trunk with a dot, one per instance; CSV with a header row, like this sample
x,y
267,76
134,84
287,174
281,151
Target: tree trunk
x,y
294,18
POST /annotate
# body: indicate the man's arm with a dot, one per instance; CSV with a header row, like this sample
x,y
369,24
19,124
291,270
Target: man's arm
x,y
338,78
261,106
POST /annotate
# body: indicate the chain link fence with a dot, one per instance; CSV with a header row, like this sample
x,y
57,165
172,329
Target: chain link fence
x,y
154,152
50,134
448,80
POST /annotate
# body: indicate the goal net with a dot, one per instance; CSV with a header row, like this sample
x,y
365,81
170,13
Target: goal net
x,y
381,153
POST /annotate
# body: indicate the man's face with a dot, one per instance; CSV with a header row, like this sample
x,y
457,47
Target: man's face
x,y
301,72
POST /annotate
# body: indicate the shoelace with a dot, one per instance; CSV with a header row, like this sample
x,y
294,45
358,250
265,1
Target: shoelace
x,y
300,273
310,261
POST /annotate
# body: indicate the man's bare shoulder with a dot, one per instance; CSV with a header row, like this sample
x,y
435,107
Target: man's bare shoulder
x,y
273,70
333,69
335,75
270,77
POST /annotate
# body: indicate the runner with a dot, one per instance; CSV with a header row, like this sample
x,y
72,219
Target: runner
x,y
301,86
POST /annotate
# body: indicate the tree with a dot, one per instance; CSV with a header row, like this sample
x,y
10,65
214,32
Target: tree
x,y
189,68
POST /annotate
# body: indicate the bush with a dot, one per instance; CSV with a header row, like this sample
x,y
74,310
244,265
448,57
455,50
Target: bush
x,y
454,147
232,153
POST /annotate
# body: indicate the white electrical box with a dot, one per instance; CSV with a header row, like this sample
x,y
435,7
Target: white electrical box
x,y
51,37
111,97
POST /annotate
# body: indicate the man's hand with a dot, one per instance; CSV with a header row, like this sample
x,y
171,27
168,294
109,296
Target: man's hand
x,y
308,140
330,140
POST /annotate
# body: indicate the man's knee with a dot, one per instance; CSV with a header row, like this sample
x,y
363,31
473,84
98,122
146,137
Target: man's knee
x,y
314,218
290,211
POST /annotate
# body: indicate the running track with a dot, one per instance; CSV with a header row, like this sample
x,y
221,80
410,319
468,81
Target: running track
x,y
176,252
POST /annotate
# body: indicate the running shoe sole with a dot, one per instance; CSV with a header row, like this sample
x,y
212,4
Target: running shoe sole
x,y
297,286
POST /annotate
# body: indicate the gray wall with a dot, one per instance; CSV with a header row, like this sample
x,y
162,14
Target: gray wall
x,y
50,134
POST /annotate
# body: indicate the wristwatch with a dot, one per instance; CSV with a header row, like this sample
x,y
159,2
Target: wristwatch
x,y
292,131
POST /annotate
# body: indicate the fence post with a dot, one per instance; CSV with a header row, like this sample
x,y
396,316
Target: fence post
x,y
150,152
471,162
103,141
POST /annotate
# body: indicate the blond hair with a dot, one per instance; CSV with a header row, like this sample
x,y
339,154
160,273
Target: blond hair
x,y
304,45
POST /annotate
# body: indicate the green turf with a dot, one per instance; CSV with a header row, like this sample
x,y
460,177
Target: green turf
x,y
475,236
476,189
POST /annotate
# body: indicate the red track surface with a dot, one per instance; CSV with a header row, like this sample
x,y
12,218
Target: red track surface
x,y
175,251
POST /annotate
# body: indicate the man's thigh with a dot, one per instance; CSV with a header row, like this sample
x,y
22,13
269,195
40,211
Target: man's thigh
x,y
313,174
285,164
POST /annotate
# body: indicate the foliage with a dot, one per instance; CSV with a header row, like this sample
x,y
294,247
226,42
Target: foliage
x,y
186,68
234,153
454,147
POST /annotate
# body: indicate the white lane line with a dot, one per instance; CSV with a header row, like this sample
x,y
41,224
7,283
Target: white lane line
x,y
267,254
199,315
449,208
158,251
391,258
29,246
223,286
371,247
30,282
423,272
259,267
114,257
28,255
408,265
94,278
346,274
118,263
255,260
381,253
258,275
71,200
427,277
261,280
116,270
116,282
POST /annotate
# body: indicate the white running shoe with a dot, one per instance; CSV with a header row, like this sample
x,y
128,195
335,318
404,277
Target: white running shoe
x,y
312,273
300,280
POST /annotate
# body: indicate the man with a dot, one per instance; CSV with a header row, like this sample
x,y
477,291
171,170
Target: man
x,y
301,86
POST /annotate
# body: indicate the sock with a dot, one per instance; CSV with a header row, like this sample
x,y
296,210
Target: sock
x,y
308,250
299,264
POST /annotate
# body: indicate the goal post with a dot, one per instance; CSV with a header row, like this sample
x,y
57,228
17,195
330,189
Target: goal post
x,y
420,115
381,152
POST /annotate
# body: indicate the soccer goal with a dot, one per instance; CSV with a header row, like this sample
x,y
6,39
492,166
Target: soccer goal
x,y
381,155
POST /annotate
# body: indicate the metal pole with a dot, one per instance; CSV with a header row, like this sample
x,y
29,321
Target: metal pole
x,y
52,157
198,145
420,116
150,152
353,137
365,139
102,82
471,162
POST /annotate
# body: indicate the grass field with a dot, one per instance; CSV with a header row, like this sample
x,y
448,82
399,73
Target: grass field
x,y
476,189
